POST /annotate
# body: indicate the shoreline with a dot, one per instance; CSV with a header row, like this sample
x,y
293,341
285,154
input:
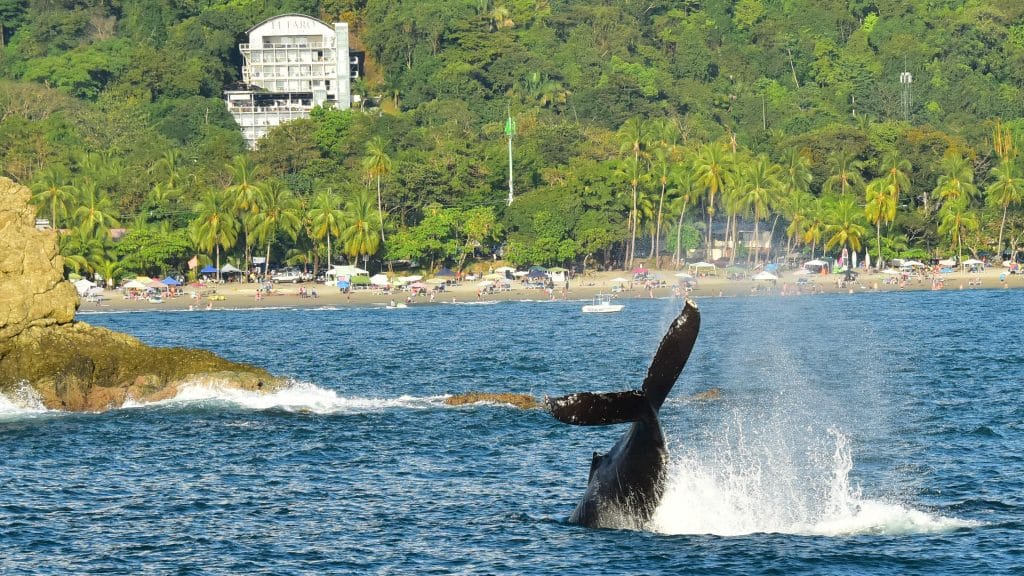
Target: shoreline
x,y
242,296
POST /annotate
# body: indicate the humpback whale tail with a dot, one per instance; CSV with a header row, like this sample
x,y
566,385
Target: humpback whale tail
x,y
594,408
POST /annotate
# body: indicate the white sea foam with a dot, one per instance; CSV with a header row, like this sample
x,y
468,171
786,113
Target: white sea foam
x,y
297,397
23,401
754,487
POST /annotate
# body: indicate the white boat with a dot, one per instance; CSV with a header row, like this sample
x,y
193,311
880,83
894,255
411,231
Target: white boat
x,y
602,303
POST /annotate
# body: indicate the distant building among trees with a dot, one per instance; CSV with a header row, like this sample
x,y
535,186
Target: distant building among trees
x,y
292,63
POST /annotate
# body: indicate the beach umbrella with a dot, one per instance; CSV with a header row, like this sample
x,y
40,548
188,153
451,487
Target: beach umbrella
x,y
619,280
342,284
134,285
379,280
765,276
494,276
684,276
170,282
208,269
82,286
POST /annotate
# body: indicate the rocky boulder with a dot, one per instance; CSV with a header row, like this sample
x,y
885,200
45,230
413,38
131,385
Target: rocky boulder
x,y
71,365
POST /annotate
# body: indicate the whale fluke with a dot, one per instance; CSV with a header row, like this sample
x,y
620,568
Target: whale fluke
x,y
627,483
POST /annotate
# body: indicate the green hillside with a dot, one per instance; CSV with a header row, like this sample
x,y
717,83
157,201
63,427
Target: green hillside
x,y
638,123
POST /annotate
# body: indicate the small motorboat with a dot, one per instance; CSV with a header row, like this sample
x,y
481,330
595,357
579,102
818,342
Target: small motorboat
x,y
393,305
602,303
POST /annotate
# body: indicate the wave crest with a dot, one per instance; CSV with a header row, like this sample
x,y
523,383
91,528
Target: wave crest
x,y
299,397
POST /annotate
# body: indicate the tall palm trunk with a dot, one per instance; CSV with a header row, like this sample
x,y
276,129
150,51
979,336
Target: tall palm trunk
x,y
380,210
632,232
757,239
657,230
1002,225
878,243
328,249
679,236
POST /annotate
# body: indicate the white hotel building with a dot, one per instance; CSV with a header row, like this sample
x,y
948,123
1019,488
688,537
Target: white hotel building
x,y
291,64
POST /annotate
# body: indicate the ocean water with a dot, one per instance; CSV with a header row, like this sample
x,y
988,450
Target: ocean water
x,y
866,434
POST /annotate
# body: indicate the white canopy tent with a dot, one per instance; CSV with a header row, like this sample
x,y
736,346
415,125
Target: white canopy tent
x,y
380,280
765,276
349,271
703,268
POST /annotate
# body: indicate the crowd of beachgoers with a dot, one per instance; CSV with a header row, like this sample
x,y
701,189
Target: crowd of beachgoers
x,y
210,293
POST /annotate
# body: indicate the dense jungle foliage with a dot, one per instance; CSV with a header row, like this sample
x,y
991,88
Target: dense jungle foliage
x,y
645,130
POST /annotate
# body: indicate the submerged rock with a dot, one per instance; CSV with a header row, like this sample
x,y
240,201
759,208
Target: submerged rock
x,y
72,365
524,401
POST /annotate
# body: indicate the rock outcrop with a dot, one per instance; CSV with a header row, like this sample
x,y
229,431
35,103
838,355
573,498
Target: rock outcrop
x,y
72,365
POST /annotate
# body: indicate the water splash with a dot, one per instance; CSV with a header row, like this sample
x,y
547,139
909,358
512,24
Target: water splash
x,y
747,486
297,397
24,401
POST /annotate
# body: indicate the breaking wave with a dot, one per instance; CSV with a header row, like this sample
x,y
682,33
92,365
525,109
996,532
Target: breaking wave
x,y
300,397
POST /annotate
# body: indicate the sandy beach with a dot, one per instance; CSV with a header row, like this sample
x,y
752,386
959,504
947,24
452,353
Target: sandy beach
x,y
243,295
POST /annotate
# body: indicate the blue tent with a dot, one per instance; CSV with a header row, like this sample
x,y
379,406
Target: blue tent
x,y
208,269
536,274
170,281
444,272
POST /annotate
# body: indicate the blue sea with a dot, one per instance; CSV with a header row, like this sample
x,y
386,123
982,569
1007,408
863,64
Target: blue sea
x,y
860,434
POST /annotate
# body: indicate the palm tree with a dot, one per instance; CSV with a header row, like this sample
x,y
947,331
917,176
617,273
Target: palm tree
x,y
215,225
52,190
879,207
684,194
278,212
85,251
663,171
377,164
796,207
795,172
956,219
956,179
1007,189
633,138
325,219
760,192
844,223
814,225
896,174
243,192
845,174
95,213
359,237
710,168
631,170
